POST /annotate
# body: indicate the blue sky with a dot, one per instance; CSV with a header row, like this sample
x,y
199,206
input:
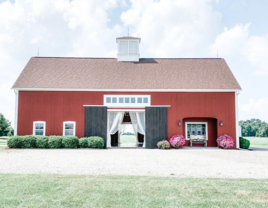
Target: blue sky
x,y
168,28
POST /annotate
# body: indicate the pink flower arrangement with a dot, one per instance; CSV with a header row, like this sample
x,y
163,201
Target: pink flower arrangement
x,y
177,140
225,141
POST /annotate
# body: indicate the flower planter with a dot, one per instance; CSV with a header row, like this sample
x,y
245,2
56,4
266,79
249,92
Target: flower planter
x,y
177,141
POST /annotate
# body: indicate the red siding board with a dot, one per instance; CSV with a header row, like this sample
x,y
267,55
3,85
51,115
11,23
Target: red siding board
x,y
55,107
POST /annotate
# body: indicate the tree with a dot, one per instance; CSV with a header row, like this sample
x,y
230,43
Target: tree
x,y
254,127
262,132
5,125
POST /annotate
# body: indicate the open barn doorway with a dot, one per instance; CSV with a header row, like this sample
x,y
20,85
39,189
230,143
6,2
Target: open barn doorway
x,y
126,129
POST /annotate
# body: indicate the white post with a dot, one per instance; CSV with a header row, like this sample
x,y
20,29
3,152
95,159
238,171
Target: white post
x,y
16,112
236,120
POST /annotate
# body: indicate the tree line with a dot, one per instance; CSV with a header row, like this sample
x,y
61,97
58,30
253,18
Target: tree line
x,y
254,127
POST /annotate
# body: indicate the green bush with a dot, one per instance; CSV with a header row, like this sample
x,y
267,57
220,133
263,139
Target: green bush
x,y
95,142
14,142
244,143
83,142
70,142
42,142
28,141
55,142
163,144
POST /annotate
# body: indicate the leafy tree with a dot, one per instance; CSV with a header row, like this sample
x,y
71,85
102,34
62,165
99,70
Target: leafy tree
x,y
262,131
5,126
254,127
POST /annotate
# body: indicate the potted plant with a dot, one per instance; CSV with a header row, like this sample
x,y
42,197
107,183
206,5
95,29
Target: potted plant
x,y
163,144
177,141
225,141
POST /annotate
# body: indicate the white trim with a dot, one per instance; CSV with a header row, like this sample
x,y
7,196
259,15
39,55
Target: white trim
x,y
95,105
126,106
44,129
159,106
16,112
237,121
206,123
124,110
129,90
72,122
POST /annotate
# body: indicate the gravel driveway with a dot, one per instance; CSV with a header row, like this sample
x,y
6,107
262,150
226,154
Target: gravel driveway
x,y
196,162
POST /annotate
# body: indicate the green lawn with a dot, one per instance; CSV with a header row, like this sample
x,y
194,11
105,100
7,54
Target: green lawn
x,y
127,139
22,190
258,141
3,142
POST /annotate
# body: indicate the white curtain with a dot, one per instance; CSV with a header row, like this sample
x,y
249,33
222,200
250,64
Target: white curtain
x,y
138,121
114,121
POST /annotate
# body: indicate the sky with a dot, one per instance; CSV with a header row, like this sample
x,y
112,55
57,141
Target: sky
x,y
238,30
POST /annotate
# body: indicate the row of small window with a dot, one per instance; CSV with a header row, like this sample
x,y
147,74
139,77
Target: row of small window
x,y
126,100
39,128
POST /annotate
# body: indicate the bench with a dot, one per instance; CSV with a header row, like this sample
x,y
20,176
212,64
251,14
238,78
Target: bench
x,y
198,139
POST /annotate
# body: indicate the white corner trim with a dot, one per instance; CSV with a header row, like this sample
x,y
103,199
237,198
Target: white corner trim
x,y
16,112
237,121
72,122
44,130
128,90
196,123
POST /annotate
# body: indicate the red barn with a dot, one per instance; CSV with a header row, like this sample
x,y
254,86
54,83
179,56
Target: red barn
x,y
160,96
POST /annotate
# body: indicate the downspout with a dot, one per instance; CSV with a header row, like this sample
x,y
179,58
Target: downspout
x,y
16,112
236,120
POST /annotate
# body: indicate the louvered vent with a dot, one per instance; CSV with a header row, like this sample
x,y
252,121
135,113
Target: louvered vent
x,y
123,47
133,47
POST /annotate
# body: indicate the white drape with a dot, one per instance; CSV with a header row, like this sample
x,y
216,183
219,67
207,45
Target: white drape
x,y
114,120
138,121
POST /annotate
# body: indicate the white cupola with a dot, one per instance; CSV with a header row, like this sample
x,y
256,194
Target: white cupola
x,y
128,49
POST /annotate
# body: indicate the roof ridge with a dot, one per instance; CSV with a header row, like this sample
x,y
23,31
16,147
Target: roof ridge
x,y
66,57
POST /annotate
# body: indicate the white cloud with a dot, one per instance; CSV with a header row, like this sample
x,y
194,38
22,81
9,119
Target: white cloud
x,y
171,28
255,108
256,51
57,28
236,42
231,41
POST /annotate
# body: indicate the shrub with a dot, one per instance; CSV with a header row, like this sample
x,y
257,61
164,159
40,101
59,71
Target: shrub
x,y
55,142
225,141
163,144
14,142
42,142
83,142
70,142
28,141
177,140
95,142
244,143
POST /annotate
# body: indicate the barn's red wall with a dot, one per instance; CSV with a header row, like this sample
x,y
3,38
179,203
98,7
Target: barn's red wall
x,y
56,107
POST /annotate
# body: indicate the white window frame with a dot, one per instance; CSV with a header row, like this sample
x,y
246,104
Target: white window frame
x,y
44,130
72,122
136,104
206,123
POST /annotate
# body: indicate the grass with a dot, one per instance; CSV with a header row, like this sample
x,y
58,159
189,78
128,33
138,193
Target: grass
x,y
258,141
22,190
127,139
3,142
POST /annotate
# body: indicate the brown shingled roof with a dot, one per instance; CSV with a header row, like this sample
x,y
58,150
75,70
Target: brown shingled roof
x,y
108,73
